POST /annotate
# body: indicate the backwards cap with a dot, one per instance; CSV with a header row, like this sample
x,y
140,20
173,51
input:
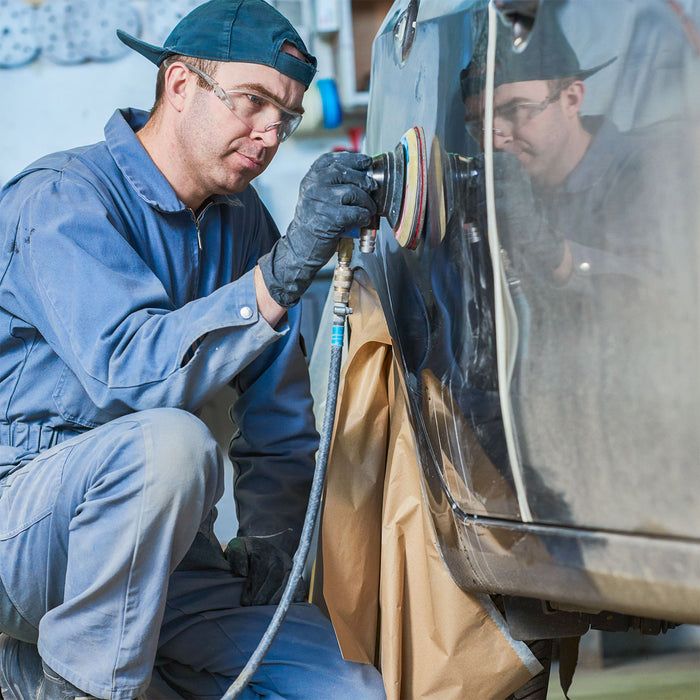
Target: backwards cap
x,y
241,31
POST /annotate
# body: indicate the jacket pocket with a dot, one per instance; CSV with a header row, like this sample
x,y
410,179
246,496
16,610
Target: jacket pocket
x,y
28,494
74,404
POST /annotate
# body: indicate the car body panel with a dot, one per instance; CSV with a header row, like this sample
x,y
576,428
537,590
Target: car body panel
x,y
556,426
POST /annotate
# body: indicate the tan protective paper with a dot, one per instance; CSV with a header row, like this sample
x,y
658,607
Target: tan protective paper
x,y
389,595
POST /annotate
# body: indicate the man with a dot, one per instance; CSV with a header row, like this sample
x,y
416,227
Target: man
x,y
138,276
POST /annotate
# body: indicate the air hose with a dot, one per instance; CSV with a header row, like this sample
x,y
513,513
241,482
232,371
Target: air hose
x,y
342,281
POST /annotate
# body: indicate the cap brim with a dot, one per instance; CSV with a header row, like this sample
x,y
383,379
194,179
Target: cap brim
x,y
155,54
582,75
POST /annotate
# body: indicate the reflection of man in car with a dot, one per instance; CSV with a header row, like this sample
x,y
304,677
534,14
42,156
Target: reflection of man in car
x,y
572,216
583,219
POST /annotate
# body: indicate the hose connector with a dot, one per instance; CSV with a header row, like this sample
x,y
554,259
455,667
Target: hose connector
x,y
342,282
343,275
368,236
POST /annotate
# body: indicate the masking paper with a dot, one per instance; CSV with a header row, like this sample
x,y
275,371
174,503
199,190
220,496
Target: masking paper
x,y
391,599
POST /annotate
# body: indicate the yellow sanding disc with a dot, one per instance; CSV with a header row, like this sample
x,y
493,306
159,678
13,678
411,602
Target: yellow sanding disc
x,y
410,224
436,209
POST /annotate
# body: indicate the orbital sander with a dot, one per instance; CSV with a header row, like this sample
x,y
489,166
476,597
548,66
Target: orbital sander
x,y
401,177
407,187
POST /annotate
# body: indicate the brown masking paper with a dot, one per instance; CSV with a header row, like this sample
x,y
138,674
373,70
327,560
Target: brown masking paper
x,y
391,599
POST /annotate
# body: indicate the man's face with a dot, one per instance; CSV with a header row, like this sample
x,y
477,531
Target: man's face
x,y
537,124
222,152
539,142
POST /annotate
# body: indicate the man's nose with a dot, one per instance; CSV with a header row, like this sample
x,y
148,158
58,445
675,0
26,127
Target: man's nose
x,y
270,138
501,138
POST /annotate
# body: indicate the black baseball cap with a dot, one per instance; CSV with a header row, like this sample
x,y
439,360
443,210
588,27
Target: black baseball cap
x,y
244,31
548,55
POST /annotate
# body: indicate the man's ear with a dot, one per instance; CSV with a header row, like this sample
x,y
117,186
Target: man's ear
x,y
573,97
176,85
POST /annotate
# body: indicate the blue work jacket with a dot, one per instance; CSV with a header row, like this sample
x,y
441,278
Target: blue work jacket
x,y
115,297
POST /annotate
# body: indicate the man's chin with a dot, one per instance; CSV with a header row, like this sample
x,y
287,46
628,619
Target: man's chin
x,y
240,178
234,184
529,163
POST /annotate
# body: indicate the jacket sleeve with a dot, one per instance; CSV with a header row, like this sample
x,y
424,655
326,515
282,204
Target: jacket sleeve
x,y
67,270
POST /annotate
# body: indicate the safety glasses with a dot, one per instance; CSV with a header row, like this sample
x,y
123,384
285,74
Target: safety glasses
x,y
516,115
257,112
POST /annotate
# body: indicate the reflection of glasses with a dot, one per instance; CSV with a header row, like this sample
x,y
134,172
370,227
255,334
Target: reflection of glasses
x,y
258,113
516,115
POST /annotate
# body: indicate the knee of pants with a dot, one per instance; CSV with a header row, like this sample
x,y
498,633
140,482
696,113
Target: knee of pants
x,y
182,453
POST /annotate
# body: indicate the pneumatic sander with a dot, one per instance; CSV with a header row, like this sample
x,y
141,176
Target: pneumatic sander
x,y
408,186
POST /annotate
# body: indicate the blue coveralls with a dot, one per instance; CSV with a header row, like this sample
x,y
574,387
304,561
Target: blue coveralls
x,y
121,312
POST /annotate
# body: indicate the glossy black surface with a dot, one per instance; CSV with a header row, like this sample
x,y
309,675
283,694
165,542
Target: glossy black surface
x,y
598,383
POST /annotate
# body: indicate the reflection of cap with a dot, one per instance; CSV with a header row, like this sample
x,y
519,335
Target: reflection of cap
x,y
245,31
547,56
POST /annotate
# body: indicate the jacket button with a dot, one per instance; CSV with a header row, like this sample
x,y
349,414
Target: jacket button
x,y
246,312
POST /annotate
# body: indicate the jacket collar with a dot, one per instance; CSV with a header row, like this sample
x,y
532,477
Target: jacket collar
x,y
603,152
135,163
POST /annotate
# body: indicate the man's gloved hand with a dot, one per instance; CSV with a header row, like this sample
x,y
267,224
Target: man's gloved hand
x,y
524,231
333,199
265,566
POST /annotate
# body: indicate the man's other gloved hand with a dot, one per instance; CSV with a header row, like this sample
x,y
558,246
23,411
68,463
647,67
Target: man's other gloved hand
x,y
524,231
333,199
265,566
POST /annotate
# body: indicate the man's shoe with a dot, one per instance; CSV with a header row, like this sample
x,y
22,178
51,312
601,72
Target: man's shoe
x,y
24,676
21,674
56,688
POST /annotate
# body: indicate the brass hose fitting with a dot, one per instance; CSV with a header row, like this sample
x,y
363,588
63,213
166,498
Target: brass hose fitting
x,y
343,275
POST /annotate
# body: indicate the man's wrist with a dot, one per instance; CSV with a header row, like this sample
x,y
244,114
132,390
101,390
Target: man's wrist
x,y
268,308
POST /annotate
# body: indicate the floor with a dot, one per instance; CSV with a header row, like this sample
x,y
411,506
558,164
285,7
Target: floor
x,y
673,676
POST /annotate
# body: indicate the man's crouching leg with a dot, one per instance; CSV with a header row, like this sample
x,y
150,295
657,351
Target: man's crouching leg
x,y
90,533
207,638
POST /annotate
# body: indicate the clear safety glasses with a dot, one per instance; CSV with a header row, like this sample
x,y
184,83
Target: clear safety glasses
x,y
257,112
516,115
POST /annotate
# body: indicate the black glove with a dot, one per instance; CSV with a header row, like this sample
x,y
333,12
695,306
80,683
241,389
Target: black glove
x,y
524,231
333,199
265,566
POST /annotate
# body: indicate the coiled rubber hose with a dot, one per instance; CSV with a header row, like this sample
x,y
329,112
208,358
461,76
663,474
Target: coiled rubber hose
x,y
307,531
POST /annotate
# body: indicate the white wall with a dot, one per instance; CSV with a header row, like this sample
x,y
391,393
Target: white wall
x,y
51,107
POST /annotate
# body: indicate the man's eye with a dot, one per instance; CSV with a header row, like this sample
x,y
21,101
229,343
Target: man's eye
x,y
256,100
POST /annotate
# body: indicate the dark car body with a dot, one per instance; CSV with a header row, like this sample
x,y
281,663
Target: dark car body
x,y
557,426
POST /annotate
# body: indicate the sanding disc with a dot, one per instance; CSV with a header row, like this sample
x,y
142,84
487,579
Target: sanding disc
x,y
436,210
410,224
18,45
56,29
73,31
98,23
